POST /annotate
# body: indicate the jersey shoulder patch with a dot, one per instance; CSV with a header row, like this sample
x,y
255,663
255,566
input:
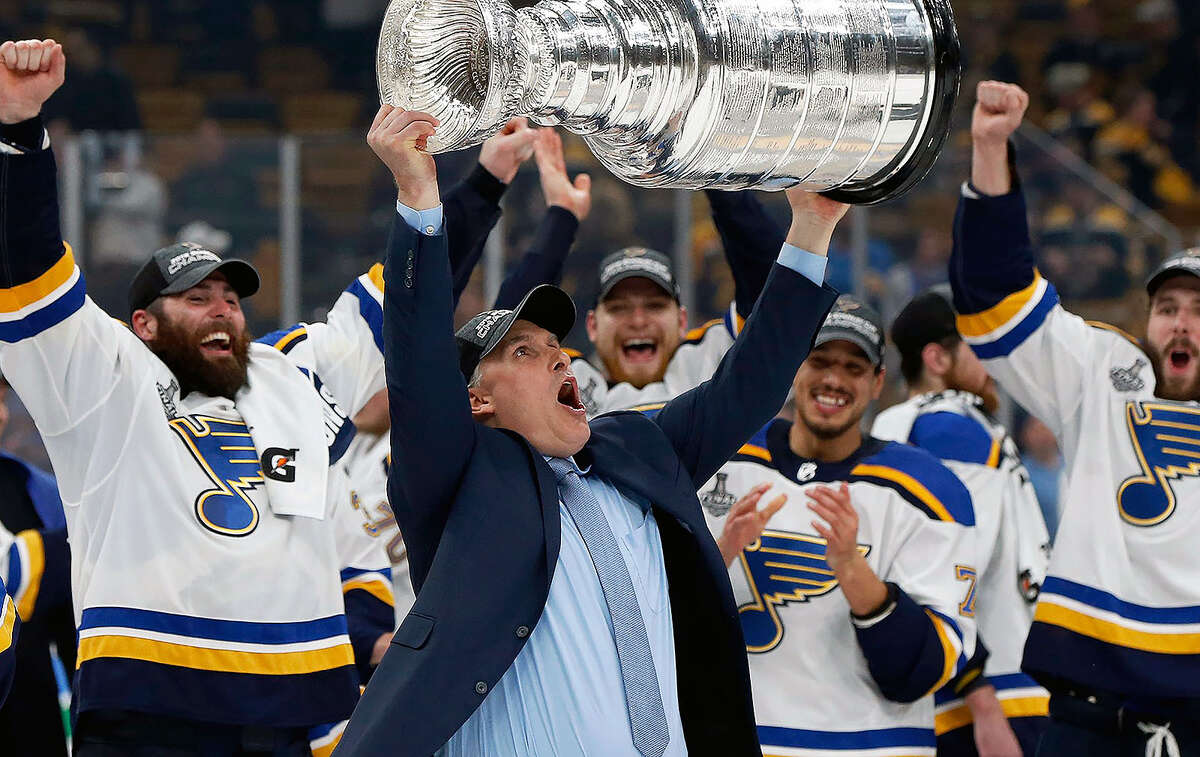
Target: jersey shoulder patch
x,y
951,436
920,479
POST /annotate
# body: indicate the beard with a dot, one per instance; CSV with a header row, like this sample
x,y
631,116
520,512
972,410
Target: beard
x,y
823,429
179,349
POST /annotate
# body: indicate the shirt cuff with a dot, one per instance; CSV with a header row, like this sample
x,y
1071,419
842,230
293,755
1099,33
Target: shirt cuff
x,y
427,222
809,265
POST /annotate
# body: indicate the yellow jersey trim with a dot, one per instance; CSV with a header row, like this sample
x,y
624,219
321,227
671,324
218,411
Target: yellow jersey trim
x,y
701,330
217,660
8,621
984,323
20,296
755,451
378,589
375,276
1018,707
36,553
1111,633
948,649
915,487
290,337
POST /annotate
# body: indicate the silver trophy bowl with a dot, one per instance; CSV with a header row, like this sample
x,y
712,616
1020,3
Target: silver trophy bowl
x,y
848,97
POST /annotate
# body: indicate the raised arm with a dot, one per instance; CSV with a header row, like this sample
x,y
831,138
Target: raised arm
x,y
751,240
568,203
708,424
472,207
1008,313
432,430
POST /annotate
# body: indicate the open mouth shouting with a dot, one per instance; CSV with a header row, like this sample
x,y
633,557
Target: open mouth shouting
x,y
640,350
217,343
568,396
1181,357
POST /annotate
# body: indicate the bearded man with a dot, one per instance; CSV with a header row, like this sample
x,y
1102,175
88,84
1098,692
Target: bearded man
x,y
196,473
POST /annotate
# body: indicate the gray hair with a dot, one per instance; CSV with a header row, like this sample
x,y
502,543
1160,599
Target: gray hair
x,y
476,377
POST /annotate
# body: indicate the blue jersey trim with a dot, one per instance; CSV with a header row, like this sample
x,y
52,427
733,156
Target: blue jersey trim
x,y
51,315
1104,601
208,628
886,737
950,436
1019,333
370,310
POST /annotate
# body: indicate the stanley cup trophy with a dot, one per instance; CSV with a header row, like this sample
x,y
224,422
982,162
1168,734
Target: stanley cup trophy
x,y
848,97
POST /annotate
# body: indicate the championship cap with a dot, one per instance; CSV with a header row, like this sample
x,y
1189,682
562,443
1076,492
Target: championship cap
x,y
635,262
1187,262
182,266
546,306
929,318
856,322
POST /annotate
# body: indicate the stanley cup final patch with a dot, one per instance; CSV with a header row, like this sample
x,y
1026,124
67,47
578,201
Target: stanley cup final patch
x,y
719,499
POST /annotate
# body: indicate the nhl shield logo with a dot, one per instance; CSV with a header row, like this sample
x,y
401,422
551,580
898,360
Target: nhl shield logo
x,y
806,471
719,499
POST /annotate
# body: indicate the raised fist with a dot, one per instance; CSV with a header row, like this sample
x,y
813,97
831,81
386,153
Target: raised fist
x,y
503,153
575,196
999,108
399,138
32,70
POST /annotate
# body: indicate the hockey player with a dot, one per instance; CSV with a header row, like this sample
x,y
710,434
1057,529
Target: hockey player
x,y
947,414
852,619
195,469
1115,634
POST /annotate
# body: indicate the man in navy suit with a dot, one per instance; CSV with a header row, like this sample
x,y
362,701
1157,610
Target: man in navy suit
x,y
570,600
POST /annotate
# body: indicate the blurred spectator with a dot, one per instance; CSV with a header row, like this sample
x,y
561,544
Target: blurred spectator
x,y
924,269
1083,42
1084,249
1132,152
1173,58
207,236
1078,112
128,205
1040,455
96,96
351,29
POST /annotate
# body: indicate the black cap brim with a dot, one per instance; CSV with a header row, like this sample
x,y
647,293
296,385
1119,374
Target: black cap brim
x,y
834,334
1160,276
636,274
242,276
546,306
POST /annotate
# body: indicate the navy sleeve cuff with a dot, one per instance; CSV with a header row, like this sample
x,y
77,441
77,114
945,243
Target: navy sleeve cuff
x,y
24,136
489,187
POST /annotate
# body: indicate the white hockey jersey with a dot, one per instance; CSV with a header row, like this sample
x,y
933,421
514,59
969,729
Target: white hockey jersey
x,y
823,684
1010,535
1120,608
693,363
195,594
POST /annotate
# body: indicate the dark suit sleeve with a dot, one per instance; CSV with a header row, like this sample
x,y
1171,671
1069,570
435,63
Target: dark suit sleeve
x,y
543,262
708,424
751,239
432,431
471,209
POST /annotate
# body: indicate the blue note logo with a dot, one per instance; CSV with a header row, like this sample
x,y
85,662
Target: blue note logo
x,y
225,452
1166,440
782,567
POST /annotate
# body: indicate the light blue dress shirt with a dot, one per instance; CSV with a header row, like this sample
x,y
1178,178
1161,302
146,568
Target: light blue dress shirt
x,y
563,694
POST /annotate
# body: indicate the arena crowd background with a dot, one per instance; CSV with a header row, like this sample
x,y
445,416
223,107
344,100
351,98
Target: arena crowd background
x,y
241,125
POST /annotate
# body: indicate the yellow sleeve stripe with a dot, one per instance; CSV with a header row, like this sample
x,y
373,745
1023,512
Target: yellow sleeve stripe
x,y
21,296
948,650
375,587
993,460
218,660
1118,331
324,747
375,276
755,451
34,557
290,337
8,621
915,487
647,408
966,680
700,331
1019,707
1111,633
982,324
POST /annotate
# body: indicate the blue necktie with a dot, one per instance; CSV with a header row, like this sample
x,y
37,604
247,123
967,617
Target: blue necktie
x,y
643,700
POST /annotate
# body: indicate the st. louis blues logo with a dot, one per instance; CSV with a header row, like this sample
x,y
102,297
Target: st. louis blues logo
x,y
718,500
781,567
1166,440
225,452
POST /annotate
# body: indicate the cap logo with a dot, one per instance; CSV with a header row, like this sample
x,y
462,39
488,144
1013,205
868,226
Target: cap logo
x,y
185,259
855,323
1190,262
640,264
487,320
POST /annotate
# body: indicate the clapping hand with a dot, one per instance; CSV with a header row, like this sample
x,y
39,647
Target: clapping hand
x,y
557,187
745,522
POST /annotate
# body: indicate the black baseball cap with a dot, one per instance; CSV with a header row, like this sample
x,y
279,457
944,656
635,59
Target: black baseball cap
x,y
929,318
1186,262
856,322
637,262
182,266
545,305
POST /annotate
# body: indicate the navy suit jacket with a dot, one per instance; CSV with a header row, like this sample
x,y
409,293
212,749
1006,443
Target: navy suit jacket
x,y
478,508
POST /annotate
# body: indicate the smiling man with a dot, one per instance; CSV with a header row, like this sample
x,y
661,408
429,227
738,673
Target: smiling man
x,y
569,597
196,470
1114,635
852,619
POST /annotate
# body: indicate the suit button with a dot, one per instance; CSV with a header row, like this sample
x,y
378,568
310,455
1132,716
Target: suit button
x,y
408,281
522,631
480,687
429,230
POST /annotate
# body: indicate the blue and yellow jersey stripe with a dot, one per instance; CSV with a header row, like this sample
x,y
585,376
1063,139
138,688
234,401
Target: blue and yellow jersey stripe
x,y
225,646
322,740
8,620
921,480
377,583
286,340
29,308
951,639
697,334
1000,329
1099,615
26,567
368,290
1019,695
